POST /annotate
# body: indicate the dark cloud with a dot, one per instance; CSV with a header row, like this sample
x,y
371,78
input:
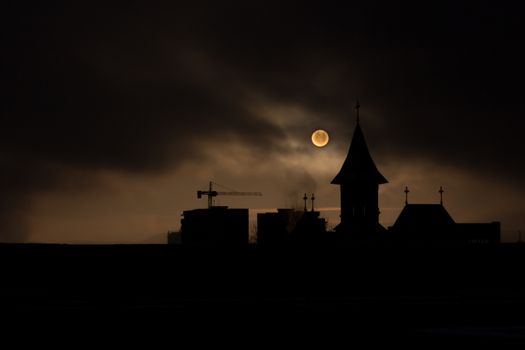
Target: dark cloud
x,y
138,87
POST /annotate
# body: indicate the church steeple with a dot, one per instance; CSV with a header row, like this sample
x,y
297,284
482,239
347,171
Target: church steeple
x,y
358,164
357,106
359,180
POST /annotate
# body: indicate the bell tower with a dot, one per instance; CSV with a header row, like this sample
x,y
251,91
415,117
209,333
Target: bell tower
x,y
359,182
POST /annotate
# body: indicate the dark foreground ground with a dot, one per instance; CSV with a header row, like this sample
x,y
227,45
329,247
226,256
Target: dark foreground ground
x,y
329,295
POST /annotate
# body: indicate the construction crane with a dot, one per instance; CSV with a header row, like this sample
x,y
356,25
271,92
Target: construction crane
x,y
211,193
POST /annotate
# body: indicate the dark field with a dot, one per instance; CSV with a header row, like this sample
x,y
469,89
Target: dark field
x,y
339,294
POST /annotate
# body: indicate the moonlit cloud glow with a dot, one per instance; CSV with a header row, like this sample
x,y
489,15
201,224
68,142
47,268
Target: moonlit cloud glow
x,y
114,118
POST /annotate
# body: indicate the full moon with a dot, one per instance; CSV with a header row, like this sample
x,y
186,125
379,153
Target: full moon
x,y
320,138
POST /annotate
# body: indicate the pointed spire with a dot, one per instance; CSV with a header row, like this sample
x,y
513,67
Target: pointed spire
x,y
441,194
358,165
406,195
357,106
313,199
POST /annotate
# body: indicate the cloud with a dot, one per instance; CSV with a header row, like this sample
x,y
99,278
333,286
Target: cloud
x,y
143,89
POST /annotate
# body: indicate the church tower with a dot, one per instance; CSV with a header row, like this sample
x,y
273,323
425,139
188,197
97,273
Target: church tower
x,y
359,182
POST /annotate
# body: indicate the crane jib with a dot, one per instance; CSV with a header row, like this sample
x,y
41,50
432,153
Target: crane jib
x,y
211,193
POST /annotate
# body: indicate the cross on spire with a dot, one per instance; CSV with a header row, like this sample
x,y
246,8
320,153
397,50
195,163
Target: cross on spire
x,y
441,194
357,106
305,198
406,195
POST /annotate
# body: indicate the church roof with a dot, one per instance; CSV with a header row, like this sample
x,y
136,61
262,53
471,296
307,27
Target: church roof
x,y
358,164
423,215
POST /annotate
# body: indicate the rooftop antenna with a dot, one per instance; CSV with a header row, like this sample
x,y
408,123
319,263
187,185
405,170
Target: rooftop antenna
x,y
313,199
357,106
441,194
305,198
406,195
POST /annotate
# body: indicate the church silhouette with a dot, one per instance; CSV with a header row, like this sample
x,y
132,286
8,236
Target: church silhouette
x,y
359,181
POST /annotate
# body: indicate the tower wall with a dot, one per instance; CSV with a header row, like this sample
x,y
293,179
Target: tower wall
x,y
359,204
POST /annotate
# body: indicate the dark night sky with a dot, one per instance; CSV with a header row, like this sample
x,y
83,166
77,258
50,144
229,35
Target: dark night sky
x,y
114,115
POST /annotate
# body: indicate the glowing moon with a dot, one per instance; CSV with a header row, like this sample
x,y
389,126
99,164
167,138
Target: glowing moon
x,y
320,138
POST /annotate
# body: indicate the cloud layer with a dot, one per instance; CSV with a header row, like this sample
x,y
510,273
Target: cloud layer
x,y
143,89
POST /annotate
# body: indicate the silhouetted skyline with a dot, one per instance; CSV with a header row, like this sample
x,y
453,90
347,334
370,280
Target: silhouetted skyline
x,y
358,179
112,117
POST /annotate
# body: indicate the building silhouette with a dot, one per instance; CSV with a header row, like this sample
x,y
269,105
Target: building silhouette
x,y
431,223
359,182
290,226
310,229
275,228
215,226
174,237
